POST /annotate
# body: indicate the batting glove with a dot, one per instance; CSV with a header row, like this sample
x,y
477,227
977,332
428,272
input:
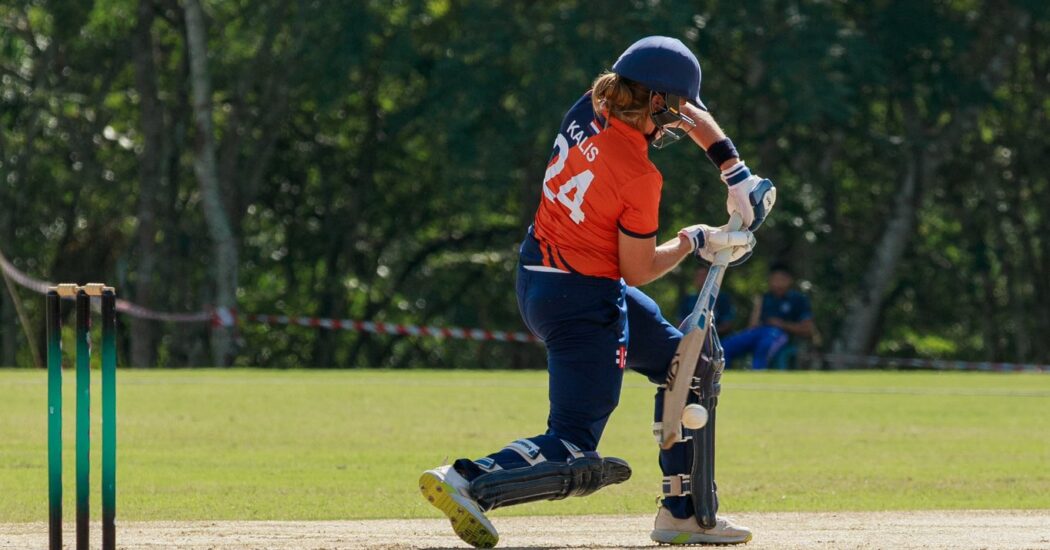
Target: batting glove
x,y
750,196
708,241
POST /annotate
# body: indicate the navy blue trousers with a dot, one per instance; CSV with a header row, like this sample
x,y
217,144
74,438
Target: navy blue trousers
x,y
764,341
593,328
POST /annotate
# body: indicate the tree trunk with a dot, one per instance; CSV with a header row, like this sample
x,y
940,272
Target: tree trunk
x,y
205,166
863,310
8,330
150,182
8,213
332,297
1031,264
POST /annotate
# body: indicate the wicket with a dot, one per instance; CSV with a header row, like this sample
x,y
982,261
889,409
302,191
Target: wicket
x,y
108,300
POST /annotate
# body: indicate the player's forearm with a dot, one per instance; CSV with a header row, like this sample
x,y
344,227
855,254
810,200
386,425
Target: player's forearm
x,y
707,132
666,257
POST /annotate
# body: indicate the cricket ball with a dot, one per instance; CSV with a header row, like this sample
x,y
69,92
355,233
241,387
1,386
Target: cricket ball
x,y
694,416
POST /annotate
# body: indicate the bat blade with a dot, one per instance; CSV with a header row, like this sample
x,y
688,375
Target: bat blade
x,y
679,379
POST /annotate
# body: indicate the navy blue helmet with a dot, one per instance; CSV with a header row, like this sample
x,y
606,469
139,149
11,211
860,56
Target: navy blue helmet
x,y
662,64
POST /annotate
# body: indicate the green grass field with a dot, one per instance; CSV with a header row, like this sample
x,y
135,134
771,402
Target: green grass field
x,y
261,444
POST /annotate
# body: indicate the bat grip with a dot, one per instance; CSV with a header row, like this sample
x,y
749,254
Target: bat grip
x,y
736,223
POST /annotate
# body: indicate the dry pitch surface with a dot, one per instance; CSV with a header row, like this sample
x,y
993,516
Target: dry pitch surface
x,y
1023,529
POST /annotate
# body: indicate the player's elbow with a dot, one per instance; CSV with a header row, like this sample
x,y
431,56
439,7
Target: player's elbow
x,y
636,259
634,275
633,280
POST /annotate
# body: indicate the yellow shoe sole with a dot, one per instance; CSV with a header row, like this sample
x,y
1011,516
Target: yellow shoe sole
x,y
469,528
693,539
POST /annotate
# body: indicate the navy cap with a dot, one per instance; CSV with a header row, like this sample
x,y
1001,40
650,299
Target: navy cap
x,y
662,64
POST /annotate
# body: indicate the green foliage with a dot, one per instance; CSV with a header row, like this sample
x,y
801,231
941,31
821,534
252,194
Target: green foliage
x,y
311,445
381,160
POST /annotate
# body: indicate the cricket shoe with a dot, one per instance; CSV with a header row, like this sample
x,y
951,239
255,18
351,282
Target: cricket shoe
x,y
449,492
671,530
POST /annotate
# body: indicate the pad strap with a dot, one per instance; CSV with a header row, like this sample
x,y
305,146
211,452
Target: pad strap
x,y
529,451
574,451
658,430
678,485
487,464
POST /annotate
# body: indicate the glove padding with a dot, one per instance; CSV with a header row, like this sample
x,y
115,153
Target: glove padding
x,y
709,241
750,196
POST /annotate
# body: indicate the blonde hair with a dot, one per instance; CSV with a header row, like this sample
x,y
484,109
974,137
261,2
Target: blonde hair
x,y
625,99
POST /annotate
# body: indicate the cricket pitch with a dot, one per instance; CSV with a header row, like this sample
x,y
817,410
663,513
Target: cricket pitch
x,y
924,529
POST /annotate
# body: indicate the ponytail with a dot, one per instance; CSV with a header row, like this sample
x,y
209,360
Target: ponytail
x,y
625,99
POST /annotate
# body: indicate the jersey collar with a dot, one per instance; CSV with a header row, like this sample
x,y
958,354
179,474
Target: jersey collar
x,y
633,135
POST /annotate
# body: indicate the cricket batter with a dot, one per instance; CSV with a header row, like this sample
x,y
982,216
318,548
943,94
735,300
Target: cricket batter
x,y
592,243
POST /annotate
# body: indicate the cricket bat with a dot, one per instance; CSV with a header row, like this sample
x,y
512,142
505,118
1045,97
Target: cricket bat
x,y
696,326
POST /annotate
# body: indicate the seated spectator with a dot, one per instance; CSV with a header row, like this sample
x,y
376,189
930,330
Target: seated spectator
x,y
725,313
784,313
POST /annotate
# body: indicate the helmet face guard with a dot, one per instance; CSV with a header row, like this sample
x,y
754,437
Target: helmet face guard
x,y
671,124
666,66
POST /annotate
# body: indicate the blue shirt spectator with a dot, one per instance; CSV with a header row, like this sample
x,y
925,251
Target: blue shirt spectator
x,y
782,314
792,306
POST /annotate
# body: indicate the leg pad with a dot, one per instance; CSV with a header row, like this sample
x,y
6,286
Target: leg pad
x,y
548,481
704,491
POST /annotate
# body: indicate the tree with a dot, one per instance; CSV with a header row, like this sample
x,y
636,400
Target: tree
x,y
205,166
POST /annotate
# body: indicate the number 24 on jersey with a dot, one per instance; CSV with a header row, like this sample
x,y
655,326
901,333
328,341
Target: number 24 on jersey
x,y
578,183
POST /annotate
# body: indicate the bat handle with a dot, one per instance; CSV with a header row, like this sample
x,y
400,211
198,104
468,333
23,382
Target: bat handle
x,y
736,223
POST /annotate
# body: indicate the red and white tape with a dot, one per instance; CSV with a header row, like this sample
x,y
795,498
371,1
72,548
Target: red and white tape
x,y
229,317
226,317
374,327
13,273
123,306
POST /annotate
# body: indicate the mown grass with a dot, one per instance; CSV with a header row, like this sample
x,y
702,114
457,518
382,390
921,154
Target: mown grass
x,y
261,444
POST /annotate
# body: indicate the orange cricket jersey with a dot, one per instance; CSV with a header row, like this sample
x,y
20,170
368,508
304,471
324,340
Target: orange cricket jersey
x,y
599,182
